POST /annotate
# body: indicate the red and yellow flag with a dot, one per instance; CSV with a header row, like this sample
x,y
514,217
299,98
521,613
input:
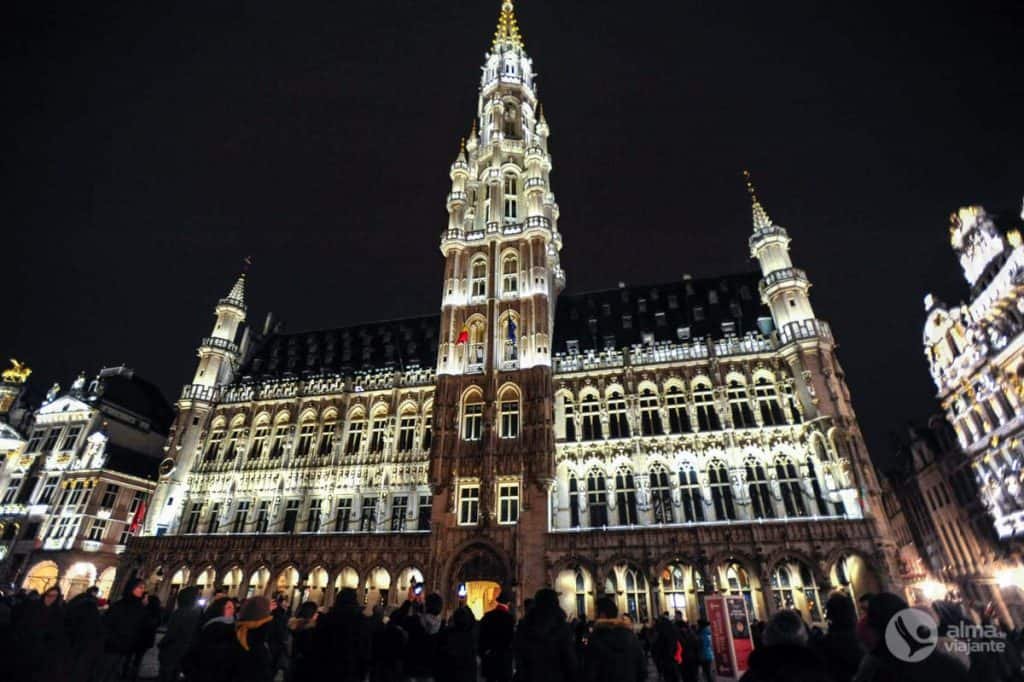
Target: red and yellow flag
x,y
463,336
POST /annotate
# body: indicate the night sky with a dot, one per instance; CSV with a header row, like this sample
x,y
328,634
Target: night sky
x,y
149,147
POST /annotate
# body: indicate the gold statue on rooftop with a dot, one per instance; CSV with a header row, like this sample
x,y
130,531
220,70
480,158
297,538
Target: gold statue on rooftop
x,y
17,374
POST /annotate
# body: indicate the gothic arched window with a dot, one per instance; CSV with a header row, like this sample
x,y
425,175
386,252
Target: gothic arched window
x,y
511,187
650,417
678,416
510,274
690,494
760,494
574,502
789,484
768,403
704,403
472,415
618,424
721,491
569,413
625,497
478,278
661,495
508,404
597,499
739,405
590,411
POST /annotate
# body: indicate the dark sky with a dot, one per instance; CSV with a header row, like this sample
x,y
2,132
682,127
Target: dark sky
x,y
150,146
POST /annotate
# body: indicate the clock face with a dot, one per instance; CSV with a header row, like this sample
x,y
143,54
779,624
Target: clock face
x,y
166,467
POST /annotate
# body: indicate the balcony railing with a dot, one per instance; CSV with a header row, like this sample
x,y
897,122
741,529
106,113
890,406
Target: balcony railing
x,y
805,329
538,221
456,197
773,278
199,392
220,344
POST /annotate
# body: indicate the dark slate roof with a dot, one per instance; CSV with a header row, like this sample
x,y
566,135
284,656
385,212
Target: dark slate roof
x,y
131,462
617,316
122,388
695,307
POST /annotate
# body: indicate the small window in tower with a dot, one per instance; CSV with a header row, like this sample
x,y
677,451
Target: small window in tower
x,y
698,313
712,297
627,321
683,333
792,303
511,197
673,301
648,338
609,342
572,346
606,309
641,305
659,318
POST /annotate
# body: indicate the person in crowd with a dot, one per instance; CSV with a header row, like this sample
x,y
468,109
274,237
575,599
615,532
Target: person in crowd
x,y
147,634
341,641
279,633
581,636
543,644
839,647
785,655
388,647
456,649
182,627
41,645
253,632
706,657
301,627
213,655
690,668
497,628
84,628
667,649
423,625
882,664
124,624
613,653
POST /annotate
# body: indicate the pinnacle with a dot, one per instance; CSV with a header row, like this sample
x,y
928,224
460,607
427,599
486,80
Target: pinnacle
x,y
760,216
237,292
507,33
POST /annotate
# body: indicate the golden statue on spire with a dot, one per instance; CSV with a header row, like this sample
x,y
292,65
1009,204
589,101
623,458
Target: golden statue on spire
x,y
508,28
17,373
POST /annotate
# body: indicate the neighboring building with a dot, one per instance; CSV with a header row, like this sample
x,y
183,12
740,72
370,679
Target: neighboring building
x,y
654,442
951,529
976,355
12,394
72,495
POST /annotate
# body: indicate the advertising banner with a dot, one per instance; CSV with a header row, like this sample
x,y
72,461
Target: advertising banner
x,y
739,626
731,641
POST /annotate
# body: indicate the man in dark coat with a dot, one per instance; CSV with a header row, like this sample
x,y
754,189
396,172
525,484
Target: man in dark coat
x,y
839,647
341,641
84,626
667,649
423,624
613,653
785,656
543,644
456,649
181,629
497,628
124,624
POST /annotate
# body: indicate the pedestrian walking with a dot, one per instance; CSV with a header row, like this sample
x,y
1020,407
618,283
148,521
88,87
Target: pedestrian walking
x,y
706,657
213,655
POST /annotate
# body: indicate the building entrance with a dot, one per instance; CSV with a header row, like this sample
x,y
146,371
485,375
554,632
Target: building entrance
x,y
481,596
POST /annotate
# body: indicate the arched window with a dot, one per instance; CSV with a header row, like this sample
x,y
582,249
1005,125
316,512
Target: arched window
x,y
704,403
768,403
618,425
760,494
789,484
509,342
327,431
636,595
407,429
511,196
650,417
259,440
234,441
378,429
738,583
356,430
476,345
307,433
676,581
690,494
721,491
574,502
472,416
794,411
597,499
581,594
678,415
590,411
739,405
509,408
794,587
280,437
625,497
478,279
510,274
569,413
661,495
213,444
428,429
819,495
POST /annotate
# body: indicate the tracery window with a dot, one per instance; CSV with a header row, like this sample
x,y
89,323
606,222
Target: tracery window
x,y
661,495
407,432
625,497
280,436
472,416
509,408
597,499
428,425
511,188
760,494
574,502
510,274
234,443
794,587
307,432
789,484
739,405
738,583
690,494
618,424
259,441
581,595
478,278
213,445
569,413
636,595
721,492
327,438
768,403
590,413
356,429
378,430
704,404
678,415
650,417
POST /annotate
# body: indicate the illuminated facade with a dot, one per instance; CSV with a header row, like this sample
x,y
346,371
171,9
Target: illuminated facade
x,y
976,355
654,442
75,491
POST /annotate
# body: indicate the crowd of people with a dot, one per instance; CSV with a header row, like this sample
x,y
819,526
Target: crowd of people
x,y
263,640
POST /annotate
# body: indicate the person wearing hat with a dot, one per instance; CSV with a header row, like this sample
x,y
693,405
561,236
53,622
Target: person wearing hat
x,y
497,628
181,629
252,632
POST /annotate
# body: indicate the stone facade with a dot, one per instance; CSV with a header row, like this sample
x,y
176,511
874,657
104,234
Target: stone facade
x,y
657,443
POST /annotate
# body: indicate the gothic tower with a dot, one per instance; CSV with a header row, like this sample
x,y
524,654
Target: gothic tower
x,y
492,457
219,356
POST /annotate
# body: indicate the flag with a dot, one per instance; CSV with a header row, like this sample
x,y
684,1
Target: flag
x,y
463,336
511,330
140,514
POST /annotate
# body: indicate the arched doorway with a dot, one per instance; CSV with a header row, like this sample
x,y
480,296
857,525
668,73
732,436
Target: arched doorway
x,y
232,581
41,577
178,582
377,587
477,577
794,587
628,585
258,580
286,584
206,582
317,590
80,577
575,587
682,591
406,579
347,577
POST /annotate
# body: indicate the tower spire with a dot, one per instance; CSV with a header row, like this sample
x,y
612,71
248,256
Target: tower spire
x,y
507,33
761,219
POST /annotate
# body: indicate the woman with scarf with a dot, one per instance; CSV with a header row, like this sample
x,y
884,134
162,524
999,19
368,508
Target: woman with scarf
x,y
252,634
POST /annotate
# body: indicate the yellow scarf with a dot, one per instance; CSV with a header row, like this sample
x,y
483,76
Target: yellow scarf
x,y
242,628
